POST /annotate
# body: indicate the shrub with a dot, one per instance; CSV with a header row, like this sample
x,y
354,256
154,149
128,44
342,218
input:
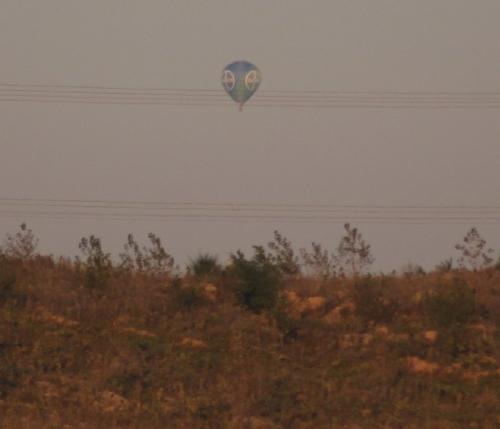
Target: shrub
x,y
7,282
373,303
450,306
205,265
153,260
354,254
286,322
159,262
98,266
21,245
185,296
319,262
257,281
132,259
474,254
283,256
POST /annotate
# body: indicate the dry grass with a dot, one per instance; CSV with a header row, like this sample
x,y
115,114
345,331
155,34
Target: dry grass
x,y
145,353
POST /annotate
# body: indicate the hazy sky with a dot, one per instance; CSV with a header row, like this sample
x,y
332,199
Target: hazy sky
x,y
268,155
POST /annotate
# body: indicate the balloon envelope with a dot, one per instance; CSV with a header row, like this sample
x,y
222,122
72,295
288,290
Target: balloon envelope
x,y
240,80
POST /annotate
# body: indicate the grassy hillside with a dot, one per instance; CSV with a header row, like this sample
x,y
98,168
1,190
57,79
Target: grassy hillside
x,y
145,352
254,344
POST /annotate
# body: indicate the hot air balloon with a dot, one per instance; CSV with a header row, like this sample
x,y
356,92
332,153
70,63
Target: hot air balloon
x,y
240,80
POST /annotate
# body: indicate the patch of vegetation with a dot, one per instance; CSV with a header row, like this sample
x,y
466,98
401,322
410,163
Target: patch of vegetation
x,y
11,292
319,262
450,306
282,255
152,260
205,265
97,264
373,302
21,245
354,254
238,347
185,296
256,282
473,251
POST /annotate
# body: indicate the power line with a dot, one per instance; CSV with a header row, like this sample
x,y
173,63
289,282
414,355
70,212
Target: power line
x,y
448,106
214,90
181,219
83,94
192,211
248,218
245,204
174,93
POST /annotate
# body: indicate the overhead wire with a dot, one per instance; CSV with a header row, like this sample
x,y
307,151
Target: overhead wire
x,y
245,218
87,94
164,93
277,91
248,212
240,204
254,212
255,208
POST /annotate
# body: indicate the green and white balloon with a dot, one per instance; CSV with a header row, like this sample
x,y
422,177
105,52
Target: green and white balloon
x,y
240,80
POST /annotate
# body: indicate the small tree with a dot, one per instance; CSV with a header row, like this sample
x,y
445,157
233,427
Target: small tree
x,y
283,256
22,244
152,260
98,265
354,255
132,259
474,254
319,261
159,262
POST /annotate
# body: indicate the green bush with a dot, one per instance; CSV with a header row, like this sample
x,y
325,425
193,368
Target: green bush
x,y
205,265
256,281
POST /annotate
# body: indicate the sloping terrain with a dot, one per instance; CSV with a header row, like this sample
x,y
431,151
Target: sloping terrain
x,y
139,351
